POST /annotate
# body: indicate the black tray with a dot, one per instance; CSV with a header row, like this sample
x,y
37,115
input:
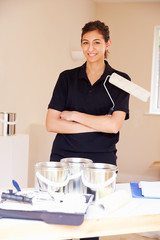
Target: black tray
x,y
47,217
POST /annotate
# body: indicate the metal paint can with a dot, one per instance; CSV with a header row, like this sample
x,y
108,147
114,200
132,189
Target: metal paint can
x,y
75,184
100,179
7,124
51,176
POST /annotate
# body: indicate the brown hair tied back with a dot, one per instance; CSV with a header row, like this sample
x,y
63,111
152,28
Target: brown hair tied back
x,y
96,25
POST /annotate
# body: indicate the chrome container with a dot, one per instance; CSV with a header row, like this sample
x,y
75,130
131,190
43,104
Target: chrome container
x,y
51,176
100,179
7,124
76,165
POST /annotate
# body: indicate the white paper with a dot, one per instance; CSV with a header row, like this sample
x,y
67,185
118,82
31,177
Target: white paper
x,y
150,189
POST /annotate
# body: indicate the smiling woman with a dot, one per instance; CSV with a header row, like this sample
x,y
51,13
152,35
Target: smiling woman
x,y
78,110
81,109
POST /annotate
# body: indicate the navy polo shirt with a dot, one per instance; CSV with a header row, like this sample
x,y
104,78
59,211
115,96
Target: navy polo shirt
x,y
73,92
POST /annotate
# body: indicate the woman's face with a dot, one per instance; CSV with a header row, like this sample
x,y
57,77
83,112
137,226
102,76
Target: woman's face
x,y
94,46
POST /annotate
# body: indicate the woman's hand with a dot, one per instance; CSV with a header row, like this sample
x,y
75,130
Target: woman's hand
x,y
67,115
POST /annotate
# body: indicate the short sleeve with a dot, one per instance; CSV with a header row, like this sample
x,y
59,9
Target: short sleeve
x,y
122,103
59,95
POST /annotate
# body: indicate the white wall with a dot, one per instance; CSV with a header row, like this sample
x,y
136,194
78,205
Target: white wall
x,y
132,32
37,37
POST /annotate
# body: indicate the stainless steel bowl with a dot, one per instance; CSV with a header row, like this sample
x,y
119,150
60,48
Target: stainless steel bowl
x,y
100,179
51,176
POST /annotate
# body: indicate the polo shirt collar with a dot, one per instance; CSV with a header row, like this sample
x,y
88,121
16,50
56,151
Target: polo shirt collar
x,y
108,71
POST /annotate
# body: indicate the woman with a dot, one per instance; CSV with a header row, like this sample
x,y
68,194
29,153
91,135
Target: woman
x,y
86,110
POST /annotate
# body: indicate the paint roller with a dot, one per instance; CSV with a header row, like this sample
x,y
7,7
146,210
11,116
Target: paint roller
x,y
129,87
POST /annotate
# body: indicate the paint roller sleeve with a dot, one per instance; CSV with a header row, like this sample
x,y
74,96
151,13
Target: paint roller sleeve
x,y
129,87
